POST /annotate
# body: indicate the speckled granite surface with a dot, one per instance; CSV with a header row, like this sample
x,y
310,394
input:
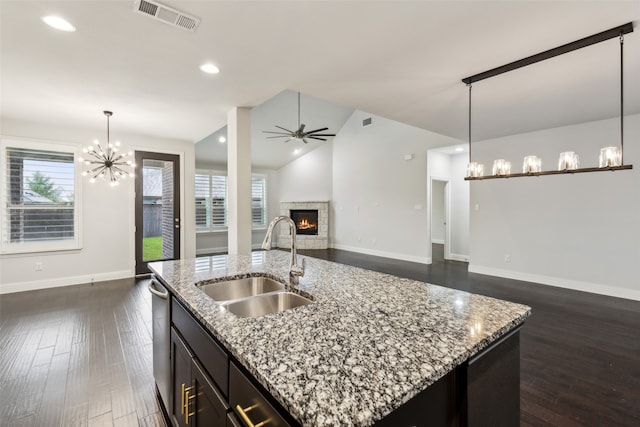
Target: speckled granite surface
x,y
367,344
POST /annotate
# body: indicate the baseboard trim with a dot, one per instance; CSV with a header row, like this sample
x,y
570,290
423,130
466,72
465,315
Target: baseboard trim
x,y
458,257
63,281
393,255
594,288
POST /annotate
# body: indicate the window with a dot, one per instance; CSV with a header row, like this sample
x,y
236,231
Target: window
x,y
258,196
211,200
39,197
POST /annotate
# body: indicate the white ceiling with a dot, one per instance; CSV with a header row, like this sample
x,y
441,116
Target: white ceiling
x,y
396,59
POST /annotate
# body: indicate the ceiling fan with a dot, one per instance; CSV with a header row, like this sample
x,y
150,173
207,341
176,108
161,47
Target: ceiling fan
x,y
300,134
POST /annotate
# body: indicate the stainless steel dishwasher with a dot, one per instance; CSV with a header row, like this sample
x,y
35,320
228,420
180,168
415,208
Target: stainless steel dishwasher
x,y
161,309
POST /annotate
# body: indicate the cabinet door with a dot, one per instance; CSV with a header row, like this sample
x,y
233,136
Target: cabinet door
x,y
251,406
209,407
181,380
493,385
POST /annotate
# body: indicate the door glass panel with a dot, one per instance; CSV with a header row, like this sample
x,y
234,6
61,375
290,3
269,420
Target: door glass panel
x,y
157,210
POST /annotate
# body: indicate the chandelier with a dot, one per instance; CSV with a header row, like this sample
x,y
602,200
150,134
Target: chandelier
x,y
109,160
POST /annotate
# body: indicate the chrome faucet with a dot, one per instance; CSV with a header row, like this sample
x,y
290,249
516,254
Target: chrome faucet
x,y
295,271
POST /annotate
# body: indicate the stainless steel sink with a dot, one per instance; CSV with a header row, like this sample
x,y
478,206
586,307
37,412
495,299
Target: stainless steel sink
x,y
266,304
241,288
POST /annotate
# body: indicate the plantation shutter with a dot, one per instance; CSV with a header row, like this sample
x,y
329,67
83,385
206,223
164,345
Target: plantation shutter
x,y
203,200
258,201
219,201
38,197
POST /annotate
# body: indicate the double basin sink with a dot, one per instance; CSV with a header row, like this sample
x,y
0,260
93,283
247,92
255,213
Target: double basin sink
x,y
253,296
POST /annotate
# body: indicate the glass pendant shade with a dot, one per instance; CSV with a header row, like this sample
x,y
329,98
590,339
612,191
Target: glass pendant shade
x,y
531,164
568,161
610,156
475,169
501,167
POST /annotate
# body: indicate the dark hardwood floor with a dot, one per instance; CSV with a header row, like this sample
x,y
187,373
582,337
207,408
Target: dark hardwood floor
x,y
81,355
78,356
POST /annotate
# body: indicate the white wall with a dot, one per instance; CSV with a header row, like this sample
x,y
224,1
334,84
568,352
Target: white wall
x,y
217,241
452,167
380,199
308,178
459,245
437,211
577,231
107,219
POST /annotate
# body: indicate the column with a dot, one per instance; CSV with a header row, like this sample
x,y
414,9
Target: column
x,y
239,180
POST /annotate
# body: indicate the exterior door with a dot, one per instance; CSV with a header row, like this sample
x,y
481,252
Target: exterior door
x,y
157,208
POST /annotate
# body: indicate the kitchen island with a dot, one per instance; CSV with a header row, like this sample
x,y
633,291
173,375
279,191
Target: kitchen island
x,y
370,347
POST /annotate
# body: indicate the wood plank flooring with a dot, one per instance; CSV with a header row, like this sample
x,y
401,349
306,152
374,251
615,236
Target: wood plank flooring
x,y
78,356
82,355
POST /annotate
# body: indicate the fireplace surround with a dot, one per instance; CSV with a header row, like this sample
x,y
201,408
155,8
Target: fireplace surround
x,y
303,214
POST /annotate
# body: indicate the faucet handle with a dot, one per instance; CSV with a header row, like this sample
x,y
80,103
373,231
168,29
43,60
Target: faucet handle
x,y
298,271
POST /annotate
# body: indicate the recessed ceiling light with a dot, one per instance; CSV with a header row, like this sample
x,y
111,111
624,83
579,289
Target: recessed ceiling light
x,y
58,23
296,151
209,69
459,149
222,140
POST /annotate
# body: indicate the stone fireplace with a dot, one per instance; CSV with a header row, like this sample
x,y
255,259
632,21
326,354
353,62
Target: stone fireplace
x,y
312,225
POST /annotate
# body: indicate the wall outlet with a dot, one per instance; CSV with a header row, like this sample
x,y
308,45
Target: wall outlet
x,y
507,258
38,266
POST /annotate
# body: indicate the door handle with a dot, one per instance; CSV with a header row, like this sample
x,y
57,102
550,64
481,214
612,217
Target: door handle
x,y
156,292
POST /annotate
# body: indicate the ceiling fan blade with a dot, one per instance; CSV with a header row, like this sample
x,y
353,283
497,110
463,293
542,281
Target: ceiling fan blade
x,y
315,137
317,130
323,134
301,130
278,136
305,141
280,127
279,133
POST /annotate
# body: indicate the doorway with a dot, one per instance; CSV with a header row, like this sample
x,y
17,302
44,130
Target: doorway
x,y
157,208
440,219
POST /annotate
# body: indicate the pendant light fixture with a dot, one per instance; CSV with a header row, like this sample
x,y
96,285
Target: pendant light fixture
x,y
611,157
108,161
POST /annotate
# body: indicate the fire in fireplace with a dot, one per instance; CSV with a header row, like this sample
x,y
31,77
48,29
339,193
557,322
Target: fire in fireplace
x,y
306,221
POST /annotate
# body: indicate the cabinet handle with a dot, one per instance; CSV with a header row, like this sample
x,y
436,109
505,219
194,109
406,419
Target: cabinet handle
x,y
246,418
187,398
182,400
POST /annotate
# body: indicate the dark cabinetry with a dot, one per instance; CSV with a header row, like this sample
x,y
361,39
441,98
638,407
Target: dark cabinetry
x,y
202,377
196,399
249,403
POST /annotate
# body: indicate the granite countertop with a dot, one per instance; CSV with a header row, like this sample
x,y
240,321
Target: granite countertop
x,y
367,344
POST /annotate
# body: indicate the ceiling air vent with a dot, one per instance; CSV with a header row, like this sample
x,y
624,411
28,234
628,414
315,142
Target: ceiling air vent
x,y
366,122
166,14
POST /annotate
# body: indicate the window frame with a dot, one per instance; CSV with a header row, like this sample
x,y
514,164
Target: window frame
x,y
8,248
217,229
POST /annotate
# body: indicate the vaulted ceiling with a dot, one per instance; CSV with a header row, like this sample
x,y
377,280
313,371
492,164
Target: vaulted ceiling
x,y
396,59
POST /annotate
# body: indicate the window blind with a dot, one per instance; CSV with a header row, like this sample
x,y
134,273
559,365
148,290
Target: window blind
x,y
211,200
258,213
38,196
